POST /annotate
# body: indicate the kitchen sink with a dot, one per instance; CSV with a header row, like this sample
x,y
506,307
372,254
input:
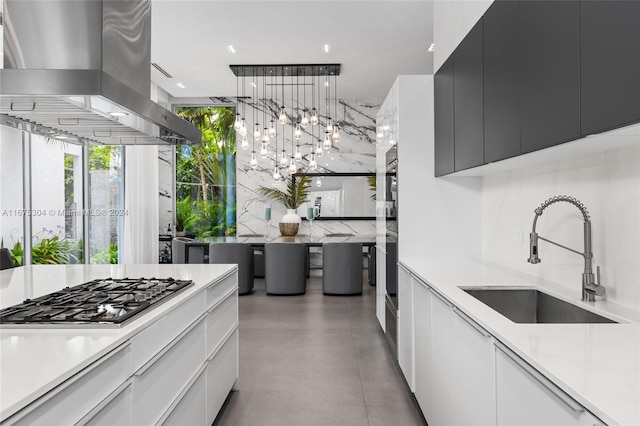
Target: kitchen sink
x,y
526,305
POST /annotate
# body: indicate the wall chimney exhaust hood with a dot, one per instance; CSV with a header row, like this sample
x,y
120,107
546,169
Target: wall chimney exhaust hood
x,y
80,71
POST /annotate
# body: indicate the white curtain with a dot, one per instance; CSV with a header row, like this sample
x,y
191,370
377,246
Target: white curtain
x,y
141,202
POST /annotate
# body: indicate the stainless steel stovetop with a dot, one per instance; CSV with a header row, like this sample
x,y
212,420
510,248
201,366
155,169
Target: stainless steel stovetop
x,y
106,302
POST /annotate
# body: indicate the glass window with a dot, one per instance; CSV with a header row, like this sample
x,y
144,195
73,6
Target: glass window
x,y
106,203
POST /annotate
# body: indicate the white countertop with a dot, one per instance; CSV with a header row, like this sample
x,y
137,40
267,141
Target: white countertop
x,y
35,360
597,364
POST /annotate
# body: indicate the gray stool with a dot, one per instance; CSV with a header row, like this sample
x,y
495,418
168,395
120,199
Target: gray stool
x,y
179,247
240,254
285,268
372,265
5,259
342,268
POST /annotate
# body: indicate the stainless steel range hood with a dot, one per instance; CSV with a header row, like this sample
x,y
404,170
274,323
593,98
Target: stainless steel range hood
x,y
79,71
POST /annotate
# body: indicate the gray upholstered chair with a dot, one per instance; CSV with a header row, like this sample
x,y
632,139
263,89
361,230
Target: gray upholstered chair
x,y
5,259
179,247
240,254
285,270
342,268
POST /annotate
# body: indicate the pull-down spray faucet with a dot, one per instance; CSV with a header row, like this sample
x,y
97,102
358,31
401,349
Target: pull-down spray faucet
x,y
590,286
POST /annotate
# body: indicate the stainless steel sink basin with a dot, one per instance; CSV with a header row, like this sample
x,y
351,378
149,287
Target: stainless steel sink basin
x,y
533,306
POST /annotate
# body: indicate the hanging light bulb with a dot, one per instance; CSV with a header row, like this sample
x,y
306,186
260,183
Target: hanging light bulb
x,y
298,133
276,174
335,136
243,127
272,129
313,164
327,141
282,118
245,143
318,182
319,151
292,167
298,154
236,124
329,128
263,151
253,163
256,132
284,160
392,141
304,121
265,136
314,116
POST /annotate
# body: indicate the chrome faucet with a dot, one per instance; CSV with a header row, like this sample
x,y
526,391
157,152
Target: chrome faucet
x,y
590,287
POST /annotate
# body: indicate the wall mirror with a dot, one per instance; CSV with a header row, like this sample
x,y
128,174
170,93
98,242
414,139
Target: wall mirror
x,y
342,196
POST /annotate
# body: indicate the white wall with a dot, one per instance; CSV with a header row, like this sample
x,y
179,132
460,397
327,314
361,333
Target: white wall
x,y
609,186
452,20
438,218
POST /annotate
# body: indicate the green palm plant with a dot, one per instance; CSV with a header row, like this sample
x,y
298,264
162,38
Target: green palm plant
x,y
295,193
184,215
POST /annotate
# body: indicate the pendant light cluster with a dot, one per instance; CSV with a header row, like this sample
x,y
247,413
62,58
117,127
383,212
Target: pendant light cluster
x,y
310,118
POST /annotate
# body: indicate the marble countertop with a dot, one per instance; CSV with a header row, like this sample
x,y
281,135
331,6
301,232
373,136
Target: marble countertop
x,y
35,360
596,364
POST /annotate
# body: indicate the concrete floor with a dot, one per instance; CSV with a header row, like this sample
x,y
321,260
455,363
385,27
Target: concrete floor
x,y
315,360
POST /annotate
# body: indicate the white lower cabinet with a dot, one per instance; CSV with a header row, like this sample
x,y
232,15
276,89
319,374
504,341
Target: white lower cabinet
x,y
462,361
405,325
222,373
192,407
115,411
525,397
422,337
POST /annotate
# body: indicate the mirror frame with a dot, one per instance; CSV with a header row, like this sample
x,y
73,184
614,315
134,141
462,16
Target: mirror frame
x,y
363,174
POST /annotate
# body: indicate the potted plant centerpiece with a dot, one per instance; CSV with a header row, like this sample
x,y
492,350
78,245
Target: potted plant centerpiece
x,y
295,193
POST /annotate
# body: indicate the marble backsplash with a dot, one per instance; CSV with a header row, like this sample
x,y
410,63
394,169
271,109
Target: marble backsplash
x,y
355,153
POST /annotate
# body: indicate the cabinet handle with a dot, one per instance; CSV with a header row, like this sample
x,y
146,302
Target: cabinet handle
x,y
170,345
472,323
440,297
96,410
552,387
227,295
224,341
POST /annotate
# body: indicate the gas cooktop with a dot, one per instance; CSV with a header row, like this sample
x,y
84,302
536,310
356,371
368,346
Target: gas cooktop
x,y
106,302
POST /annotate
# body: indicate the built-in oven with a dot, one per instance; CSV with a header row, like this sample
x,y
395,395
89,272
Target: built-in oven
x,y
391,260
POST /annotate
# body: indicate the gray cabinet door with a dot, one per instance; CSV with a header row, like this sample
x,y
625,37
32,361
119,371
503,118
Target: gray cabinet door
x,y
550,73
443,99
501,81
468,99
610,64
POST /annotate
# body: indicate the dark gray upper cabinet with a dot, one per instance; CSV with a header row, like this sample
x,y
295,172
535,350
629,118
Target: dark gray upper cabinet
x,y
501,81
443,100
468,100
550,73
610,64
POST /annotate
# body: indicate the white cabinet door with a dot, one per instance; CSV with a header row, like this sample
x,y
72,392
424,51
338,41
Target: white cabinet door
x,y
422,336
525,397
463,380
405,325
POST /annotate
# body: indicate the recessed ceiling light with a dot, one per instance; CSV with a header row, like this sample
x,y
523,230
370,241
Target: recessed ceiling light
x,y
118,114
326,48
432,47
231,49
180,85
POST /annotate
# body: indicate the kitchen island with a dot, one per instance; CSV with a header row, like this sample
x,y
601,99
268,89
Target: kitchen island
x,y
503,372
174,363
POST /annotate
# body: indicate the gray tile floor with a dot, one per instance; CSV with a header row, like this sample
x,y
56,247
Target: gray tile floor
x,y
315,360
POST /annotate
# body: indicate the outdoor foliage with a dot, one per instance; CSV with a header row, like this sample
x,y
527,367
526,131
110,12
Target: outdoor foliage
x,y
205,174
295,193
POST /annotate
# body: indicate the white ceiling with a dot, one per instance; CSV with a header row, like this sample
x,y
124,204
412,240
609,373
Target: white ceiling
x,y
374,41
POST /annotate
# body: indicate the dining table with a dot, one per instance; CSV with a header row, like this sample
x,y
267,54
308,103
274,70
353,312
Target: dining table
x,y
258,241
